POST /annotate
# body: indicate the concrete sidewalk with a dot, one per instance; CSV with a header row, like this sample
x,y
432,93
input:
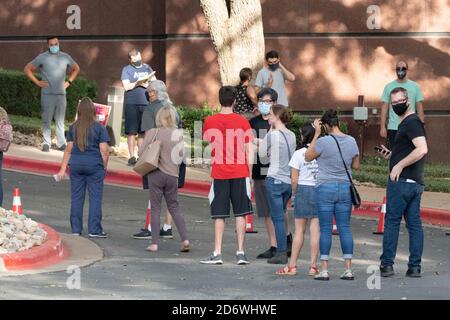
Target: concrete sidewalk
x,y
435,200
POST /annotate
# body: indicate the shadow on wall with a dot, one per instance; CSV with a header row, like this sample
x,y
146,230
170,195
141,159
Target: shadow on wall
x,y
334,70
331,70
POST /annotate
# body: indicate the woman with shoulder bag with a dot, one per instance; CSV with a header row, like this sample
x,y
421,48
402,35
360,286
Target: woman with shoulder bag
x,y
336,153
279,144
163,182
158,97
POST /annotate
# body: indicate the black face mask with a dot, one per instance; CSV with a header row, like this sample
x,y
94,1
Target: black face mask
x,y
274,66
400,108
401,73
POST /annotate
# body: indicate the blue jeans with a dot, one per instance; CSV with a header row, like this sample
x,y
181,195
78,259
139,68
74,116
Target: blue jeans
x,y
334,200
82,177
1,179
403,199
278,195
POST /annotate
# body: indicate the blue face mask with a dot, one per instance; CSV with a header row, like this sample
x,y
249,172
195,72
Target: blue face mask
x,y
264,108
54,49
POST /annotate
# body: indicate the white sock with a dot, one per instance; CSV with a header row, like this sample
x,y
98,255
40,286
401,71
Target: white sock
x,y
167,227
149,228
239,252
216,253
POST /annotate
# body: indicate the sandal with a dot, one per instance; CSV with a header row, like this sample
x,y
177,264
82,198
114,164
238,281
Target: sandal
x,y
347,275
322,276
287,271
313,271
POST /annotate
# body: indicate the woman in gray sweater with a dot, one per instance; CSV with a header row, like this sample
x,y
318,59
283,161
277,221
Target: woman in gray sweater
x,y
163,182
279,145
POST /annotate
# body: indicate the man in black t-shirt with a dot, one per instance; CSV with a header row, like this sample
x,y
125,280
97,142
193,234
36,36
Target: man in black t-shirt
x,y
405,186
267,97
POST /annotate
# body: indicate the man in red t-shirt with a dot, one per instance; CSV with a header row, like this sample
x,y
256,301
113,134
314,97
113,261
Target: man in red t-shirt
x,y
230,137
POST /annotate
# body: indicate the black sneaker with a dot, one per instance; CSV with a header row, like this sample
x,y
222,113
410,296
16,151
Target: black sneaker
x,y
98,235
45,148
62,148
279,258
413,273
166,234
132,161
269,253
144,235
387,271
289,245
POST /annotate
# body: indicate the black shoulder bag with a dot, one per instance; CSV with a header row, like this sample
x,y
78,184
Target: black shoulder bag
x,y
287,144
356,199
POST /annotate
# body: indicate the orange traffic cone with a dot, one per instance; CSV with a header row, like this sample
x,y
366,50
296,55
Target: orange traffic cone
x,y
147,218
17,204
380,229
249,225
335,230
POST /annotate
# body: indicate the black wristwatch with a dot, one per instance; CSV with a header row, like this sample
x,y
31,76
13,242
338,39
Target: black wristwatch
x,y
70,82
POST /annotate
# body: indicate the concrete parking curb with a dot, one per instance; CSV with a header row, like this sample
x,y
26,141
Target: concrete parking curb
x,y
201,188
52,251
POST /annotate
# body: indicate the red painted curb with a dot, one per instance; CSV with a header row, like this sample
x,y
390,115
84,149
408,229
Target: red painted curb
x,y
113,177
50,252
201,188
428,215
30,165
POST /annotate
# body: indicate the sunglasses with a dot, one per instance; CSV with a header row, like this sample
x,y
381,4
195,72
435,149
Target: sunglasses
x,y
401,68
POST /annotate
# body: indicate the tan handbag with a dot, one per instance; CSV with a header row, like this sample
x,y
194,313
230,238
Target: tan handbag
x,y
149,159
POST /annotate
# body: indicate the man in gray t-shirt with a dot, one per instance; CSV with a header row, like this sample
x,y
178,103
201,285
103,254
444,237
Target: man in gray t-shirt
x,y
53,66
274,76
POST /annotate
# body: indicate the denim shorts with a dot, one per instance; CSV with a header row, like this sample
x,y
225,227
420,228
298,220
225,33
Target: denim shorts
x,y
305,203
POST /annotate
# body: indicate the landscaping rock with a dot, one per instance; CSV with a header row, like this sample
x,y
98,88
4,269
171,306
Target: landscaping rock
x,y
18,233
26,139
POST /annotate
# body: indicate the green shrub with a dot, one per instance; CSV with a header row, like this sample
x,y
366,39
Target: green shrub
x,y
376,170
28,125
297,122
19,96
190,115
